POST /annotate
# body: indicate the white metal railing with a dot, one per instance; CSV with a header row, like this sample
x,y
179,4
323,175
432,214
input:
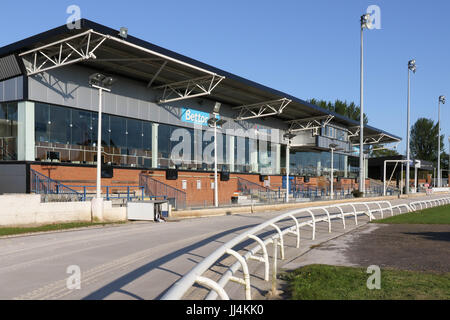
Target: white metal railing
x,y
316,214
424,204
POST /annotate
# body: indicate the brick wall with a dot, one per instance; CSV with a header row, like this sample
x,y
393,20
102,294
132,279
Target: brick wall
x,y
84,175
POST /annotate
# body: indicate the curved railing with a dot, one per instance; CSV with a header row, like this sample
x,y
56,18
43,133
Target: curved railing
x,y
425,204
316,215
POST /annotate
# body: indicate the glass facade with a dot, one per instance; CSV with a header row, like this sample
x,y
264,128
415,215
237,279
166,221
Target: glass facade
x,y
70,135
318,163
8,131
65,134
335,133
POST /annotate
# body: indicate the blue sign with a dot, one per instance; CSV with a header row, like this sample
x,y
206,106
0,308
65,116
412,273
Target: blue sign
x,y
195,116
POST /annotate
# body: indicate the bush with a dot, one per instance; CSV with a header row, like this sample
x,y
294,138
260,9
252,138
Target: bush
x,y
357,193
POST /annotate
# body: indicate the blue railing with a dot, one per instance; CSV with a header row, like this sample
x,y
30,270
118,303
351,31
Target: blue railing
x,y
42,184
112,192
247,187
301,191
155,188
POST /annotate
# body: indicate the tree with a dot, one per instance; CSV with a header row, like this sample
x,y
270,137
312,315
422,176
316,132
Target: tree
x,y
424,144
350,110
383,152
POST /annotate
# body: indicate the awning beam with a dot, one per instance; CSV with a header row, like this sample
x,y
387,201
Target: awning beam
x,y
63,52
188,89
262,109
312,123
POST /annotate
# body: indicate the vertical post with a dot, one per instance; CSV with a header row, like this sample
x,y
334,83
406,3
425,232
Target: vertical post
x,y
439,145
155,127
407,136
332,175
287,171
384,179
415,178
401,179
274,270
25,131
361,121
216,187
99,143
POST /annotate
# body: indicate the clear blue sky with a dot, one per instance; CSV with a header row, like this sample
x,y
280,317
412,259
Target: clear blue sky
x,y
309,49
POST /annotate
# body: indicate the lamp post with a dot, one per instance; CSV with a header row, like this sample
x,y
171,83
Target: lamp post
x,y
102,83
215,122
366,23
411,67
288,136
333,147
441,100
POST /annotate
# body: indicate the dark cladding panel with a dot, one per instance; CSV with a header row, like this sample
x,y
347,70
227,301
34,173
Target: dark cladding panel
x,y
9,67
13,178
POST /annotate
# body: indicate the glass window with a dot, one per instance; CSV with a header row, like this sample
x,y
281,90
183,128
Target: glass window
x,y
8,131
42,122
164,132
118,127
81,128
147,136
59,125
134,135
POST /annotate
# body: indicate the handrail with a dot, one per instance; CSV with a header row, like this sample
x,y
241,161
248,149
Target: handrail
x,y
42,184
128,191
178,290
255,186
156,188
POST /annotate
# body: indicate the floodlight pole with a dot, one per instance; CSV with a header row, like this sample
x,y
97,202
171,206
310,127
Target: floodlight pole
x,y
411,67
441,99
216,187
99,143
332,176
365,23
361,117
439,143
99,139
287,169
407,130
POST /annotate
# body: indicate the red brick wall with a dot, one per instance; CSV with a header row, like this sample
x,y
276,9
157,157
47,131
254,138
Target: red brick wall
x,y
82,175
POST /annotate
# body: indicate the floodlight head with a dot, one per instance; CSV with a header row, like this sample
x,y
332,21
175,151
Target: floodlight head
x,y
100,80
333,145
220,122
366,21
123,32
412,65
289,135
217,107
442,99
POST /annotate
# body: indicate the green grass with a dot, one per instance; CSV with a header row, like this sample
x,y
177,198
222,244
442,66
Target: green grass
x,y
6,231
322,282
437,215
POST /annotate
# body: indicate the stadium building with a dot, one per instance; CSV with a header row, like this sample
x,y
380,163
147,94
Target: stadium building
x,y
49,119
